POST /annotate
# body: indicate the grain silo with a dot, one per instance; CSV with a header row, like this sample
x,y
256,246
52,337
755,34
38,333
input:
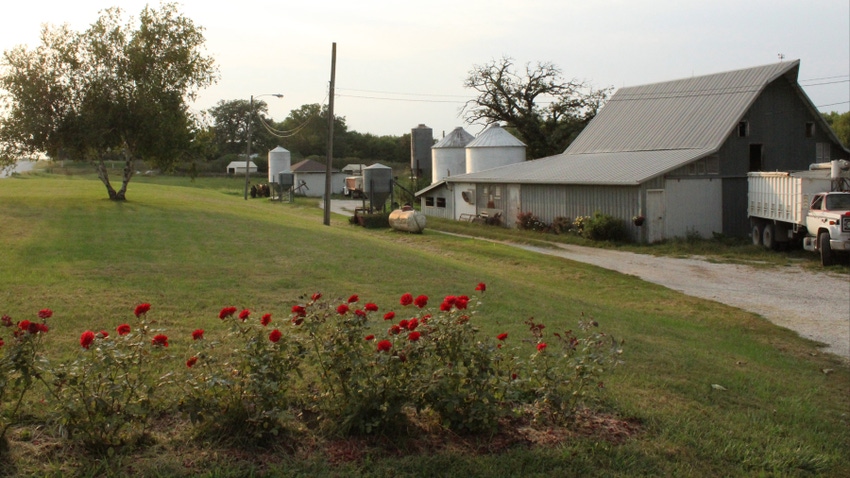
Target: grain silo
x,y
492,148
421,139
279,162
377,184
448,156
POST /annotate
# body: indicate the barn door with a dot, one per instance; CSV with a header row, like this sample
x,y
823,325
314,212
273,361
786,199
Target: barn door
x,y
655,213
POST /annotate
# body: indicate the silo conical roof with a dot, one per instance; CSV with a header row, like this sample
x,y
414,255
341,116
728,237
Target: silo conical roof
x,y
495,137
458,138
279,149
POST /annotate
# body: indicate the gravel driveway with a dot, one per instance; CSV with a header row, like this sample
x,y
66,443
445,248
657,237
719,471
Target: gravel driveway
x,y
814,304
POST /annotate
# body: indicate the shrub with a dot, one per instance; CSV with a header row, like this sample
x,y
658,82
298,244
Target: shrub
x,y
380,220
603,227
529,222
561,225
107,395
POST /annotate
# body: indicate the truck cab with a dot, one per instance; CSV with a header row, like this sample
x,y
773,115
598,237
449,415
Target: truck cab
x,y
828,225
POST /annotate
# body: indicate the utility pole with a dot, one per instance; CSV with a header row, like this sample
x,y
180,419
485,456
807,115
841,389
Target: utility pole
x,y
327,220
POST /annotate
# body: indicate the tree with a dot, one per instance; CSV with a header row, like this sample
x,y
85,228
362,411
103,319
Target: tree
x,y
305,131
840,124
231,122
116,87
545,110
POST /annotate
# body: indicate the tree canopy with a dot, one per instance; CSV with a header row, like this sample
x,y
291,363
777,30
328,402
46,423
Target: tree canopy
x,y
117,87
537,103
840,124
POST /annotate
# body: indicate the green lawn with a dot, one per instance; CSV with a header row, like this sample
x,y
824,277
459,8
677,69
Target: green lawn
x,y
190,248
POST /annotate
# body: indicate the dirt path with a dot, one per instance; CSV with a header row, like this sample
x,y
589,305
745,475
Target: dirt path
x,y
816,305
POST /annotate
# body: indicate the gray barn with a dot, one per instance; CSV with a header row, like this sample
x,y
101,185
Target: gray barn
x,y
676,152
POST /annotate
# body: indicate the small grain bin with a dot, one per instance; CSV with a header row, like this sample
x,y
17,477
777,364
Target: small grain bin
x,y
279,162
448,156
492,148
421,139
377,184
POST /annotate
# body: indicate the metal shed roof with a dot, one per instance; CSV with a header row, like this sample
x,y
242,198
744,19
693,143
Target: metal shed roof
x,y
690,113
625,168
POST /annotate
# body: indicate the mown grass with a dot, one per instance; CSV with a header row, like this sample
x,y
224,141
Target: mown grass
x,y
190,248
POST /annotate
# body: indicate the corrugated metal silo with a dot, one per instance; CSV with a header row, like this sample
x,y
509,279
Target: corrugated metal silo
x,y
377,184
421,139
492,148
448,157
279,162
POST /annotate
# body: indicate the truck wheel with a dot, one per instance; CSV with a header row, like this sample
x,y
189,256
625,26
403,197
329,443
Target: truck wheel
x,y
768,236
827,257
756,234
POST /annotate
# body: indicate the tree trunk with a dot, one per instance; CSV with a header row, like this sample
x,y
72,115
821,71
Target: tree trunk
x,y
128,174
103,174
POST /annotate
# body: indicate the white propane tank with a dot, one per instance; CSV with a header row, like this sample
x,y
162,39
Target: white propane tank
x,y
407,220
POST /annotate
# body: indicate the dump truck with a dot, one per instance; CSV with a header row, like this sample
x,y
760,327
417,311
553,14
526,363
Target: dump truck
x,y
811,208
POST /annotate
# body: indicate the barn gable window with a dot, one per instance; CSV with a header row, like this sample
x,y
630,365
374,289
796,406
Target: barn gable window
x,y
810,129
743,129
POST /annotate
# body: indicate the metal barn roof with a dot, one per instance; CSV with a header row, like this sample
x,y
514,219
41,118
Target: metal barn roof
x,y
627,168
697,112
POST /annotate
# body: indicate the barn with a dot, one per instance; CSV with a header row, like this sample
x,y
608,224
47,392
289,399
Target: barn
x,y
238,167
676,153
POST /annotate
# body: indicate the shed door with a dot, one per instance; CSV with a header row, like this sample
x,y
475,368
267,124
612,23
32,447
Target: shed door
x,y
514,205
655,212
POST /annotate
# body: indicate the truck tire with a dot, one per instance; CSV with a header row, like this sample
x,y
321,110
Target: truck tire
x,y
756,234
768,237
827,257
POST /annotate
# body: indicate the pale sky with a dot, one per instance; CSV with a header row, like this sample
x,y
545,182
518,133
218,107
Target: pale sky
x,y
401,64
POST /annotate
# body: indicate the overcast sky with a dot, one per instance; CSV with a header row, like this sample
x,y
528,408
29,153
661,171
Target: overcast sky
x,y
401,64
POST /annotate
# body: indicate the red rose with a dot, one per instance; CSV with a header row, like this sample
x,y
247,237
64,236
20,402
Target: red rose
x,y
191,362
389,315
142,309
541,346
369,337
24,325
406,299
461,303
412,324
445,307
502,336
266,319
6,321
421,301
342,309
481,287
299,311
371,307
86,339
413,336
513,376
353,299
360,313
316,297
34,328
395,330
45,314
384,346
103,334
226,312
198,334
1,342
297,320
160,340
123,329
243,316
403,323
42,328
275,335
450,299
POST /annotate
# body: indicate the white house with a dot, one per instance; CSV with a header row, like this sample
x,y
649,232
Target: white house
x,y
238,167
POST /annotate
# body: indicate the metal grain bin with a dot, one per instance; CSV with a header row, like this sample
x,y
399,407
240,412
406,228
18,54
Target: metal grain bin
x,y
448,156
279,162
377,184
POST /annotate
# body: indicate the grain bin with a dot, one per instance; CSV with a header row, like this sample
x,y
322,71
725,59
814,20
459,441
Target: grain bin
x,y
448,156
492,148
377,184
279,162
421,139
